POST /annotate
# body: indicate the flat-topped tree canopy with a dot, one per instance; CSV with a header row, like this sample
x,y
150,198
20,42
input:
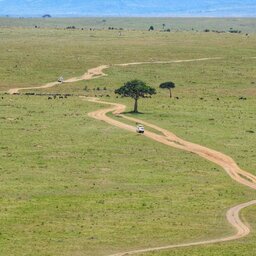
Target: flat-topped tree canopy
x,y
168,85
135,89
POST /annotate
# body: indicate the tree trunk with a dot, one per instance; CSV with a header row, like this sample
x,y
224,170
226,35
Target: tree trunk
x,y
135,106
170,93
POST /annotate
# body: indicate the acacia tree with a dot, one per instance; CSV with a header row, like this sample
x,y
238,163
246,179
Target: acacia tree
x,y
168,85
135,89
151,28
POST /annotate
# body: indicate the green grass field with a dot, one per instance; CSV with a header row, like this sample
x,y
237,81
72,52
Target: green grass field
x,y
71,185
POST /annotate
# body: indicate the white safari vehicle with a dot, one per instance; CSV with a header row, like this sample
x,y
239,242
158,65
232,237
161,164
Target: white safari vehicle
x,y
61,79
140,128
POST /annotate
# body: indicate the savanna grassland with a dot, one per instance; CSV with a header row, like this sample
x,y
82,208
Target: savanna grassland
x,y
245,25
71,185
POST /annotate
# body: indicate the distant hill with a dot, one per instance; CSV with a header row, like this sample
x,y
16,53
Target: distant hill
x,y
207,8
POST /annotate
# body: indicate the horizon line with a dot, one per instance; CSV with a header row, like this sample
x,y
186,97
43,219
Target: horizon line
x,y
121,16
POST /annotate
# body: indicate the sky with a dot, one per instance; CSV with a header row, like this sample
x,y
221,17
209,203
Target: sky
x,y
156,8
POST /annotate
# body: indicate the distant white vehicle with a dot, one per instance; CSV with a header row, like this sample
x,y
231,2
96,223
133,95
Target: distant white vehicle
x,y
140,128
61,79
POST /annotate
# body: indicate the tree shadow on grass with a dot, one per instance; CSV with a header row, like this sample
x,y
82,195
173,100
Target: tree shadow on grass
x,y
133,113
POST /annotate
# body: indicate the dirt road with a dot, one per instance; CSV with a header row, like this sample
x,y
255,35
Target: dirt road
x,y
232,217
165,62
170,139
98,72
90,74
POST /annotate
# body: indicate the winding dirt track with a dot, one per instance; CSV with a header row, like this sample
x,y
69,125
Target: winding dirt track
x,y
90,74
170,139
98,72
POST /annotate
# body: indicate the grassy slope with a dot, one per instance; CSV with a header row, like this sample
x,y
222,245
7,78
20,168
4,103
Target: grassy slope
x,y
54,190
33,57
244,246
73,193
198,120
